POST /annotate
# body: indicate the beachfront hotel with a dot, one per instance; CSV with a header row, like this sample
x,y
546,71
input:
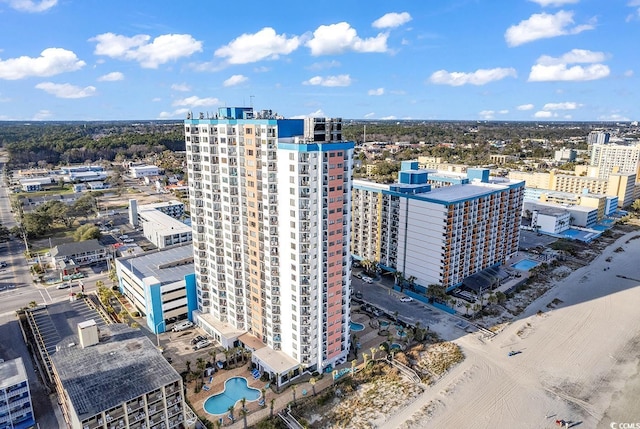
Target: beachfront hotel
x,y
270,206
438,235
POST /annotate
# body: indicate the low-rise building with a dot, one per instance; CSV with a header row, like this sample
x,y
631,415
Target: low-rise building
x,y
160,284
16,409
140,171
34,184
78,253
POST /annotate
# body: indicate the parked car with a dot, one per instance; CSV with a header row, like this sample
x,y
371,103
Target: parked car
x,y
181,326
197,339
359,275
128,240
123,237
3,264
367,279
202,344
64,285
406,299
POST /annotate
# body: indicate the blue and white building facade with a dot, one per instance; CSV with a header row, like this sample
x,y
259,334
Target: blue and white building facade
x,y
161,285
438,236
16,409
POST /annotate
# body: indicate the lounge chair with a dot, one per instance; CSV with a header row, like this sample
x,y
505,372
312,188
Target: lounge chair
x,y
205,387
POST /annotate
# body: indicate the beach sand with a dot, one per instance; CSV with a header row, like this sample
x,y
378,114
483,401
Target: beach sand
x,y
579,359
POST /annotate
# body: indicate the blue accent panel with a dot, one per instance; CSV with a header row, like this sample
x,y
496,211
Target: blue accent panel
x,y
452,180
234,112
28,423
316,147
153,296
408,165
290,127
481,174
192,296
412,177
425,300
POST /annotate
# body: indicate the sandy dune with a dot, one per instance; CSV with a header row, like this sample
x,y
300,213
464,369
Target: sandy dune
x,y
579,359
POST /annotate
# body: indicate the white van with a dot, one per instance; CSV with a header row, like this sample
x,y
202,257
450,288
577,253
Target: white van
x,y
181,326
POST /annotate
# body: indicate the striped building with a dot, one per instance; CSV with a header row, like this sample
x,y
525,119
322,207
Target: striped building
x,y
439,236
270,207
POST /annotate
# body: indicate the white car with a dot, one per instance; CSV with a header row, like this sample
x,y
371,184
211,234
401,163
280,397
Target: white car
x,y
123,237
202,344
367,279
406,299
128,240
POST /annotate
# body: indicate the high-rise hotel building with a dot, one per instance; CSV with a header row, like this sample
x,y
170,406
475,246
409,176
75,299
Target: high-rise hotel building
x,y
437,234
270,207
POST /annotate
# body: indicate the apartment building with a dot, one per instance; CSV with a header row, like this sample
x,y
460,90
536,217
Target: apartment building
x,y
16,409
270,209
619,185
615,158
115,378
438,236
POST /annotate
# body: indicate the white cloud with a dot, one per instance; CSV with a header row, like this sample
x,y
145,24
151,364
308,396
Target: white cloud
x,y
149,53
52,61
377,91
628,73
32,6
236,79
614,117
369,115
261,69
341,37
388,118
339,80
195,101
525,106
66,90
42,115
636,15
182,87
555,3
263,45
175,114
503,111
156,99
487,114
574,56
560,72
322,65
549,68
392,20
568,105
544,114
478,77
111,77
317,114
543,26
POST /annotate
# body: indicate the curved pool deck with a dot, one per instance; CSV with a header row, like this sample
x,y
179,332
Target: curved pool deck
x,y
235,389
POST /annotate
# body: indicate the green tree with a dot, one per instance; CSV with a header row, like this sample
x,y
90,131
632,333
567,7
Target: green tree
x,y
87,231
436,292
37,223
85,206
636,205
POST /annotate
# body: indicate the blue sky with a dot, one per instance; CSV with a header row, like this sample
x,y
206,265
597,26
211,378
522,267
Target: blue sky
x,y
543,60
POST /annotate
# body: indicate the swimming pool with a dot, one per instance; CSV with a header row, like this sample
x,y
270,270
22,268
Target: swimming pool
x,y
401,334
396,346
235,389
525,264
384,324
356,326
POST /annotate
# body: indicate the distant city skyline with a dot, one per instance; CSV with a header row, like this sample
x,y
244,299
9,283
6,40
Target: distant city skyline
x,y
506,60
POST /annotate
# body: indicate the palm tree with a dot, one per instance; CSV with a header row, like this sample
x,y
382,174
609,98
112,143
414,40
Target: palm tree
x,y
373,353
412,282
467,305
399,278
244,413
231,409
201,365
293,388
271,404
243,401
313,385
188,364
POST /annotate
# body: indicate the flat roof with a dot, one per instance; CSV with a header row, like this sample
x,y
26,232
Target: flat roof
x,y
276,360
12,372
163,222
122,366
155,206
225,329
168,265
